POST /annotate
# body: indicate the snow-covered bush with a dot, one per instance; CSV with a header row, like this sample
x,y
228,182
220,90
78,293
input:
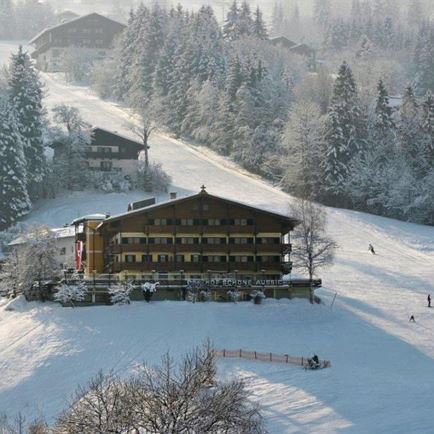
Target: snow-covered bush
x,y
152,178
149,289
111,182
234,295
70,293
102,78
257,296
205,295
120,294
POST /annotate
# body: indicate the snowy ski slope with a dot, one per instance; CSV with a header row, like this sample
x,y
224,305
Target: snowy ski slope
x,y
381,380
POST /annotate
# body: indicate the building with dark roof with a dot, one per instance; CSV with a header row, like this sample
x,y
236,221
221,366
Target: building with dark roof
x,y
202,236
92,34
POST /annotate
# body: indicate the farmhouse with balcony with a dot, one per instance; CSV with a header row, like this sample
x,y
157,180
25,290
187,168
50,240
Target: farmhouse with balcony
x,y
108,151
93,35
202,237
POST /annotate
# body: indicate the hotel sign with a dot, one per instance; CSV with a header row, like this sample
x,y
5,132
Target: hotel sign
x,y
224,283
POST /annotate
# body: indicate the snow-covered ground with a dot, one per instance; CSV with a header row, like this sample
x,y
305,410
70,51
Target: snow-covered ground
x,y
381,380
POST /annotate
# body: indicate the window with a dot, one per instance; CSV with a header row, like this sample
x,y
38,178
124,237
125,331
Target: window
x,y
179,258
63,251
161,222
106,165
241,259
146,258
187,222
214,222
161,241
163,258
195,258
187,241
215,259
269,240
241,240
104,149
130,259
214,241
240,222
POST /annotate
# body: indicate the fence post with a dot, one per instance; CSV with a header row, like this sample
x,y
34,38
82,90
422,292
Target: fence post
x,y
286,358
255,355
271,357
241,354
302,361
224,352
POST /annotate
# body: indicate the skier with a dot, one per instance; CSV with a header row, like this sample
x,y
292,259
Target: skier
x,y
371,249
412,319
429,300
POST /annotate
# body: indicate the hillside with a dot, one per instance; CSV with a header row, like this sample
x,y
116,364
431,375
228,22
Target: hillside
x,y
381,377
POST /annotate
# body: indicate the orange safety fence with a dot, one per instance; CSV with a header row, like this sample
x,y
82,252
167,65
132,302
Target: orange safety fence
x,y
269,357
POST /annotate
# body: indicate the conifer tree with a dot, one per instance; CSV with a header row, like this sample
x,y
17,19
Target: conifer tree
x,y
14,199
259,27
231,28
278,19
344,133
322,12
245,21
424,60
427,125
25,94
383,112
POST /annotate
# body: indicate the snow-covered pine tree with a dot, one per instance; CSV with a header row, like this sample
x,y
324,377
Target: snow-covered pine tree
x,y
427,125
70,137
344,134
149,43
72,292
245,21
383,112
259,26
409,124
14,199
322,12
231,28
424,60
303,142
120,293
25,93
125,50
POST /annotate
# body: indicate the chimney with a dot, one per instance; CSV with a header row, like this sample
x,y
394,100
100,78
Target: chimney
x,y
172,195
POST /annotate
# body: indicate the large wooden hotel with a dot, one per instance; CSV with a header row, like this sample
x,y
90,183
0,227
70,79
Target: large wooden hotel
x,y
201,237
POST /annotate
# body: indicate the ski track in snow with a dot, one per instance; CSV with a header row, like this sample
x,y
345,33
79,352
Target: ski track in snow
x,y
381,380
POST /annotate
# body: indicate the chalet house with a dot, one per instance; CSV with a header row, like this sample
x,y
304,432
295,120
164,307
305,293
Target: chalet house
x,y
93,34
65,243
303,50
219,242
109,152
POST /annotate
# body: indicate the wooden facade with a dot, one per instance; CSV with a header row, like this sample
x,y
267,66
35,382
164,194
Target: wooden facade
x,y
93,34
198,235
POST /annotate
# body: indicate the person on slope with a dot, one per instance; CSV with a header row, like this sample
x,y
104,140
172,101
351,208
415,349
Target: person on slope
x,y
412,319
371,249
429,300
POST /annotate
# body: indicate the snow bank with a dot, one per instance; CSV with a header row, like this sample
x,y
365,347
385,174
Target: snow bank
x,y
18,304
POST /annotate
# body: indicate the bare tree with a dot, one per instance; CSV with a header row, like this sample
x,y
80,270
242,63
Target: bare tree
x,y
143,129
38,261
313,249
182,398
98,408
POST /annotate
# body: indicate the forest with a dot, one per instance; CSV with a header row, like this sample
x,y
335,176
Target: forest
x,y
353,127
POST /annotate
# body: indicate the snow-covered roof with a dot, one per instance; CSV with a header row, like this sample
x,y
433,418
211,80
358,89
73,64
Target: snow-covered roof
x,y
65,232
89,217
48,29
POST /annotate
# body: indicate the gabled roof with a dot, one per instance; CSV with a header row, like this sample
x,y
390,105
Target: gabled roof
x,y
284,41
97,130
67,23
286,219
66,232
